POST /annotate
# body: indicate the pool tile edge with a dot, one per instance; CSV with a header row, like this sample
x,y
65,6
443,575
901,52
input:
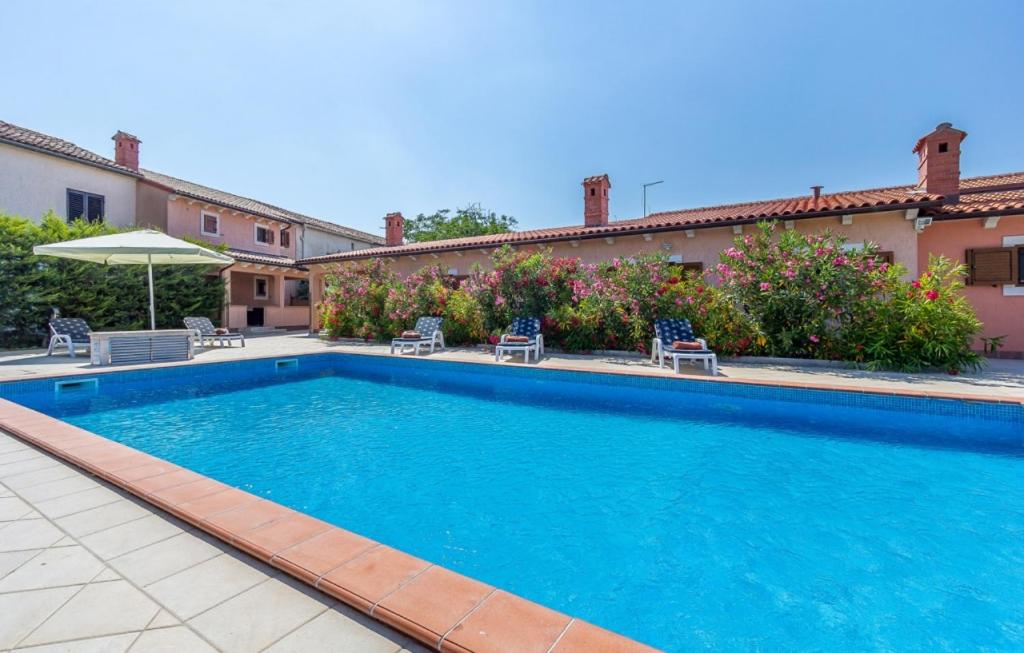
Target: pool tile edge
x,y
105,459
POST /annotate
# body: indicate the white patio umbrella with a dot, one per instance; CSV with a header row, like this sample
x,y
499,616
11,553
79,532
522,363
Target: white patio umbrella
x,y
143,247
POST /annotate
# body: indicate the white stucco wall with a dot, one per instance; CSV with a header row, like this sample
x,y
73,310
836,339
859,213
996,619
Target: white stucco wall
x,y
317,243
32,183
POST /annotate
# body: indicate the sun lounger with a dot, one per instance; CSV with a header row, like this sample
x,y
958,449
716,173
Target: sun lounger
x,y
68,332
668,331
204,330
427,332
523,337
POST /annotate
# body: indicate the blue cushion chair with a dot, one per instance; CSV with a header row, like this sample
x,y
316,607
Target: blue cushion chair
x,y
430,332
69,332
522,327
667,331
204,330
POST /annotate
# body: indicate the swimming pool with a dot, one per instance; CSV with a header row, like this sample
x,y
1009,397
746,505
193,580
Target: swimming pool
x,y
685,514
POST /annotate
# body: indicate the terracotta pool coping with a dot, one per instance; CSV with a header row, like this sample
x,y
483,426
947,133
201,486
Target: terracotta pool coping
x,y
564,367
440,608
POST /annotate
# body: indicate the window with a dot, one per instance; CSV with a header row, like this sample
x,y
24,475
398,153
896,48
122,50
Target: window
x,y
209,224
943,148
84,205
264,235
885,257
286,238
993,266
1020,266
695,266
261,288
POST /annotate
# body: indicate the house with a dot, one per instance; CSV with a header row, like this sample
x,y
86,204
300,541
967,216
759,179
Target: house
x,y
266,287
40,173
979,221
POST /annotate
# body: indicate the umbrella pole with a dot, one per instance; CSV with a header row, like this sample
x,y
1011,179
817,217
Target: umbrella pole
x,y
152,305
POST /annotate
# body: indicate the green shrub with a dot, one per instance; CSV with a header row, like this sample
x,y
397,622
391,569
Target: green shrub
x,y
800,289
713,314
106,296
913,325
786,294
355,298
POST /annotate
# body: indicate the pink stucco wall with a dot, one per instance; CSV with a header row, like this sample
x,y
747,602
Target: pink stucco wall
x,y
1001,314
276,309
236,231
889,230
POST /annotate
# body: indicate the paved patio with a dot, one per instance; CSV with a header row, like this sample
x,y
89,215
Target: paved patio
x,y
1000,379
85,567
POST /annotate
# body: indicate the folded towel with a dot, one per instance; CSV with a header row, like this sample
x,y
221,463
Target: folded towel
x,y
686,345
516,339
220,331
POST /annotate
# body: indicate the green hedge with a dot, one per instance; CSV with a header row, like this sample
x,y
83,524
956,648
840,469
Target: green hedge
x,y
106,296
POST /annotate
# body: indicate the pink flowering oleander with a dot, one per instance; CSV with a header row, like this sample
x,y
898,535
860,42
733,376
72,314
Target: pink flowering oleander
x,y
767,284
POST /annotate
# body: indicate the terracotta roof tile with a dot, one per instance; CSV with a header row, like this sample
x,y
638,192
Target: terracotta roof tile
x,y
19,136
975,184
254,207
973,197
263,259
876,199
988,202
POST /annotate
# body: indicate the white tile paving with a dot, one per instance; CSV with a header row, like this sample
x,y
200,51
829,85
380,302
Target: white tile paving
x,y
85,568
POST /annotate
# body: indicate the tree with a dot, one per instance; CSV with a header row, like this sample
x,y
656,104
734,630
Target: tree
x,y
468,221
108,297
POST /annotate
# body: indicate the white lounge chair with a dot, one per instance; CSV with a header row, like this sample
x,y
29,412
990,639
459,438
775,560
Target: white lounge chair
x,y
69,332
204,330
523,327
429,329
667,331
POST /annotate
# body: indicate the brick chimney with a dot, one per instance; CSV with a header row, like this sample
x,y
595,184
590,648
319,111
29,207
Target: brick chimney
x,y
394,229
938,161
126,150
595,200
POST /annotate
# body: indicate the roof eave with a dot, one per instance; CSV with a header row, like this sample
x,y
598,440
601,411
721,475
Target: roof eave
x,y
226,205
42,150
611,230
988,213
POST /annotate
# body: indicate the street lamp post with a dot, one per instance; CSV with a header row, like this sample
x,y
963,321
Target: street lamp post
x,y
651,183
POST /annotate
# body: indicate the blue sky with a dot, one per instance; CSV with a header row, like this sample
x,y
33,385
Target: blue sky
x,y
349,111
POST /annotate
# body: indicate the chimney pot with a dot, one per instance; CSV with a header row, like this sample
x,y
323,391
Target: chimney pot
x,y
938,161
595,200
394,229
126,150
817,191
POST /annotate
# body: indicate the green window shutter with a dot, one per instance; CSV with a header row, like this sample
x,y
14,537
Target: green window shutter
x,y
76,205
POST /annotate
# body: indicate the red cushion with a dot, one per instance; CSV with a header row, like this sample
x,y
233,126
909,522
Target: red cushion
x,y
411,334
220,331
686,345
516,339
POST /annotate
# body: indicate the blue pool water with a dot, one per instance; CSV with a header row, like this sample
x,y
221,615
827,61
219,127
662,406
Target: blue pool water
x,y
688,515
